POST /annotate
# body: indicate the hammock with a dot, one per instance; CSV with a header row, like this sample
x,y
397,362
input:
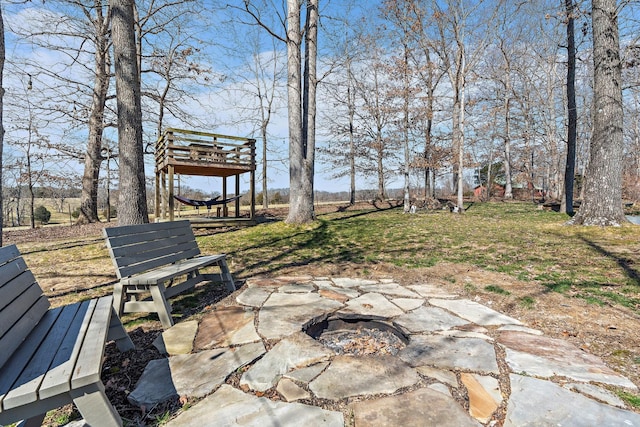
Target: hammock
x,y
197,203
207,203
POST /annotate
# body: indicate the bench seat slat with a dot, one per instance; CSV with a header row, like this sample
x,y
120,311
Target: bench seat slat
x,y
142,228
31,292
135,264
8,272
153,242
25,388
12,339
15,287
170,271
9,253
87,369
21,358
58,379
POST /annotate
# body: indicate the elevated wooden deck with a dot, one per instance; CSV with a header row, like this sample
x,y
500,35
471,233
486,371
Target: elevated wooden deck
x,y
188,152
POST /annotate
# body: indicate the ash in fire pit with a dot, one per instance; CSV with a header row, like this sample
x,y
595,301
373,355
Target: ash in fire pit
x,y
358,337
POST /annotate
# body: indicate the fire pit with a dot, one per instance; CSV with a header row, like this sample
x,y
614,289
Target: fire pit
x,y
358,337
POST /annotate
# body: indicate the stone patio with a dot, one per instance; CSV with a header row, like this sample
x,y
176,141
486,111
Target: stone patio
x,y
464,365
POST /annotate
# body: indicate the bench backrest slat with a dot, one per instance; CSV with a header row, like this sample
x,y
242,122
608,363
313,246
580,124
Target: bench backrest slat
x,y
22,303
135,249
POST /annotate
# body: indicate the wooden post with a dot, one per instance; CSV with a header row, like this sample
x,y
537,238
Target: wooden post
x,y
224,196
163,192
237,194
156,208
171,199
252,184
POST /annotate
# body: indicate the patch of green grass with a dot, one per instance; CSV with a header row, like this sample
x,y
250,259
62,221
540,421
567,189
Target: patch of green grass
x,y
63,418
496,289
527,302
591,299
468,287
630,399
560,286
163,418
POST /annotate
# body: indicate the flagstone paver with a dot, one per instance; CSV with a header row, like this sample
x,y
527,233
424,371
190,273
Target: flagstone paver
x,y
384,374
227,326
291,391
231,407
598,393
423,407
408,304
295,351
392,289
308,373
535,402
283,314
546,357
429,319
179,339
484,395
474,312
441,375
472,354
448,373
372,305
198,374
254,297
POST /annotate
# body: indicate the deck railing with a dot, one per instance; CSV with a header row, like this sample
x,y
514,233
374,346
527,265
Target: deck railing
x,y
179,146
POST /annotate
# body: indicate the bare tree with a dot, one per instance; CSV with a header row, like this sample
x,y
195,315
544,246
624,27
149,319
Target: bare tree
x,y
93,158
400,13
302,109
572,109
301,94
602,203
132,201
455,23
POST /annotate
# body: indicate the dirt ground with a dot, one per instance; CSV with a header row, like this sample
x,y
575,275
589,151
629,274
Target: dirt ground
x,y
612,333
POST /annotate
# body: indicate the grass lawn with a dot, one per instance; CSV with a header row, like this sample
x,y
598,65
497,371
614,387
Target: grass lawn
x,y
517,239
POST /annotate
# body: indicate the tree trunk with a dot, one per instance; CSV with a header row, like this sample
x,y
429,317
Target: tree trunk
x,y
572,112
508,190
302,110
93,157
2,54
602,203
405,131
352,147
132,206
459,128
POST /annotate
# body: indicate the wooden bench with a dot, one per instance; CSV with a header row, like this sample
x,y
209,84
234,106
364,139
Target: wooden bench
x,y
148,260
52,357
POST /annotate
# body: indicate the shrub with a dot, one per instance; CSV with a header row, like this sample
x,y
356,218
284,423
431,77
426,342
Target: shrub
x,y
42,215
76,213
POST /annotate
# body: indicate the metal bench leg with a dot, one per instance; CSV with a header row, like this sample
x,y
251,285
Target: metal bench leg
x,y
161,305
94,406
117,333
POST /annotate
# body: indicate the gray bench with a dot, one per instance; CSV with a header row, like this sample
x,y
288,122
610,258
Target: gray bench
x,y
50,357
151,258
